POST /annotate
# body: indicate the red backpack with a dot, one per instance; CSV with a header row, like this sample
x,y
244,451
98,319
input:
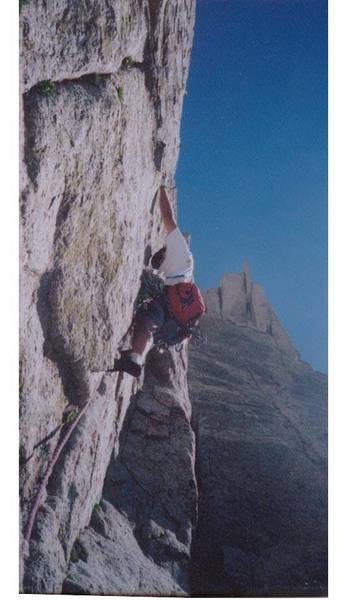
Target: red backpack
x,y
186,303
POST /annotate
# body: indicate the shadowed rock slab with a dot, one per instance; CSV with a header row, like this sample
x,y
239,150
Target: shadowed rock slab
x,y
260,418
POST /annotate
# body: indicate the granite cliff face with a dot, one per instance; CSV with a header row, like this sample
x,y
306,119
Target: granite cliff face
x,y
122,491
102,89
260,417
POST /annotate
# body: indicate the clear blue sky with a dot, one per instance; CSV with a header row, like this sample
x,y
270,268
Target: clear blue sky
x,y
252,172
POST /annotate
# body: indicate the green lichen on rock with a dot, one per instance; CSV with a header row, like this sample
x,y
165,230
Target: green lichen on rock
x,y
47,88
99,78
78,552
128,63
71,416
120,93
96,509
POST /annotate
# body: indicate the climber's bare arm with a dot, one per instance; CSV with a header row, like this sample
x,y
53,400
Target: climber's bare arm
x,y
166,211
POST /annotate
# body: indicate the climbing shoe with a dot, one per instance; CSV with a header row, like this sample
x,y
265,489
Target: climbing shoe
x,y
124,363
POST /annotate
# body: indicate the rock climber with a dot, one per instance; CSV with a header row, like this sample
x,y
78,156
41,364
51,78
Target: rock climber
x,y
179,307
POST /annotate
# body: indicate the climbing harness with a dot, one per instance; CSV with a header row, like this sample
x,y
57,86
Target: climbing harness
x,y
172,334
152,287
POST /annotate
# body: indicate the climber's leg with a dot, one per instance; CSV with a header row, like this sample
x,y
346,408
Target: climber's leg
x,y
142,337
147,321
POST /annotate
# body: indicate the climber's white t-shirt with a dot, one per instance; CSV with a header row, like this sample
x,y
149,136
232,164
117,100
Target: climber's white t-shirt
x,y
178,264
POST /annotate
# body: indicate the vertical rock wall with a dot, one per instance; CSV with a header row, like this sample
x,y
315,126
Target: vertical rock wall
x,y
149,501
103,84
260,418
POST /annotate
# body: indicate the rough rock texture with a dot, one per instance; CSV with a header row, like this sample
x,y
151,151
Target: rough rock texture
x,y
260,417
103,84
107,558
151,485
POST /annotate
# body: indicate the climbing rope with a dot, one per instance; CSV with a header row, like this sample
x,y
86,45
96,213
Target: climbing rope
x,y
57,452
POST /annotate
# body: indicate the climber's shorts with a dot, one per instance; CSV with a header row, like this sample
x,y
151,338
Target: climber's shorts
x,y
151,316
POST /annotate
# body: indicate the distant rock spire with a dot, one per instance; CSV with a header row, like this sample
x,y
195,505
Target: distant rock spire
x,y
248,282
244,303
246,268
